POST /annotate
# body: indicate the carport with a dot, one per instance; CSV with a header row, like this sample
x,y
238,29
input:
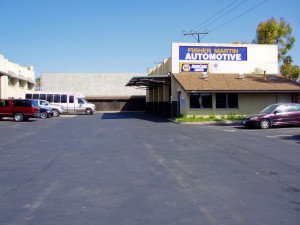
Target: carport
x,y
158,99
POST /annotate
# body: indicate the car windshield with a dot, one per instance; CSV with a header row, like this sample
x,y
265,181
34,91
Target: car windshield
x,y
269,109
86,101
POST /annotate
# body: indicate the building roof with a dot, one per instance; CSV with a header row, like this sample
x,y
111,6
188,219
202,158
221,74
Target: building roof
x,y
147,81
192,82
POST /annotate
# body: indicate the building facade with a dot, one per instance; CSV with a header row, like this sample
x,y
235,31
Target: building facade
x,y
218,79
106,90
15,80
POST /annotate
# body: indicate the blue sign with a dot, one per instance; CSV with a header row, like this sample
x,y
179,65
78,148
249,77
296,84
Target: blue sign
x,y
212,53
194,67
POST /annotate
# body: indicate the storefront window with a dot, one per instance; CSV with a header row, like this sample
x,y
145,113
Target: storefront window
x,y
200,100
227,100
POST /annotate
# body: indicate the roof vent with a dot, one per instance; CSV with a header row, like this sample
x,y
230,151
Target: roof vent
x,y
204,76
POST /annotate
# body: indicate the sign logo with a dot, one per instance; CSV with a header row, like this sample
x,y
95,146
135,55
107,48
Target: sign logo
x,y
194,67
212,53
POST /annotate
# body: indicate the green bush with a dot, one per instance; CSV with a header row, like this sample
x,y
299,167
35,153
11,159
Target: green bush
x,y
213,117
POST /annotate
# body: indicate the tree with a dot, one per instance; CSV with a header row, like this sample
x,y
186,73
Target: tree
x,y
278,33
37,83
289,70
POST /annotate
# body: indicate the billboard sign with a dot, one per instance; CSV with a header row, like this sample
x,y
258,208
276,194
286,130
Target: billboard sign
x,y
212,53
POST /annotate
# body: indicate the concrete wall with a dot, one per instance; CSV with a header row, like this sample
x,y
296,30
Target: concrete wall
x,y
162,68
91,84
15,79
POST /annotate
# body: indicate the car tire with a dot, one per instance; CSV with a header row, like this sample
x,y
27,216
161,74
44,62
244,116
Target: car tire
x,y
18,117
44,115
55,112
88,111
265,124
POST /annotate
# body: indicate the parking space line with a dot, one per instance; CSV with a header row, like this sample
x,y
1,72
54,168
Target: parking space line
x,y
282,135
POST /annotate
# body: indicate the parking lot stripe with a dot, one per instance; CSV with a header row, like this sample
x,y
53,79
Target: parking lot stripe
x,y
275,136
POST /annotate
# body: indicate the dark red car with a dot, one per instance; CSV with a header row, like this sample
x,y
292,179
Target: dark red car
x,y
19,109
274,115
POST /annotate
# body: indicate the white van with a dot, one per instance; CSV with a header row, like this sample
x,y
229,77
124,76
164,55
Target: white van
x,y
73,103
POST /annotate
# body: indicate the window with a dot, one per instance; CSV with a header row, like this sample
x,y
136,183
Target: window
x,y
28,96
71,99
227,100
35,96
22,103
282,108
43,103
57,98
43,96
50,97
80,101
64,98
200,100
4,103
12,81
22,83
294,108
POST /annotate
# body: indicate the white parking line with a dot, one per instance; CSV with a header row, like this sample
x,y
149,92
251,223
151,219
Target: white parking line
x,y
67,116
282,135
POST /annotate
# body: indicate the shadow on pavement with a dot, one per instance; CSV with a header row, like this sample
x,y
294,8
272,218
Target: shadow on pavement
x,y
295,138
135,115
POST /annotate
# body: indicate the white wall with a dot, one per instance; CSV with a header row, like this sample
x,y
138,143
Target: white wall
x,y
259,58
91,84
23,81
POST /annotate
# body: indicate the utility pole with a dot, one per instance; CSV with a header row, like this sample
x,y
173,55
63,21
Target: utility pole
x,y
195,33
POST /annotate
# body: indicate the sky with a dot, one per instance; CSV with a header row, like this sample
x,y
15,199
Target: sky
x,y
127,36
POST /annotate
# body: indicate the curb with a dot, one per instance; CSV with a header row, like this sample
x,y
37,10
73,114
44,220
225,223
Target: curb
x,y
233,122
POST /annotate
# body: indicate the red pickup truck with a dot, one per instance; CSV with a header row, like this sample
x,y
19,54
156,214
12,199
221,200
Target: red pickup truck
x,y
19,109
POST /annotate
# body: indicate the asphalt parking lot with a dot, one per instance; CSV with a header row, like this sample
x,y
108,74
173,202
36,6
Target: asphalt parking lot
x,y
135,168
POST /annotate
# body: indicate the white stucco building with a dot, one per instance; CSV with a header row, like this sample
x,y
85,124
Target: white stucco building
x,y
15,80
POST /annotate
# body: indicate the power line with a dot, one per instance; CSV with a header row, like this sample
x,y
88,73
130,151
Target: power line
x,y
195,33
224,14
214,15
238,16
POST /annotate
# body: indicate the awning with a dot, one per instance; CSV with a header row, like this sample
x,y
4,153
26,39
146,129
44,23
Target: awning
x,y
150,81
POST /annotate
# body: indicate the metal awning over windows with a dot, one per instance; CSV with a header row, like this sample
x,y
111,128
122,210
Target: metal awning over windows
x,y
149,81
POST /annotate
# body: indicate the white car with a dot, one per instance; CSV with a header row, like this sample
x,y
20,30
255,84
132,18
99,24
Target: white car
x,y
57,109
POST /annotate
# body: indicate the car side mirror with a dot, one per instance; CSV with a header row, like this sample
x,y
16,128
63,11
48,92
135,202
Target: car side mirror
x,y
275,112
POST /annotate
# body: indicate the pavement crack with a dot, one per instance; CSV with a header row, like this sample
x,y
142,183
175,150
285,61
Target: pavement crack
x,y
33,177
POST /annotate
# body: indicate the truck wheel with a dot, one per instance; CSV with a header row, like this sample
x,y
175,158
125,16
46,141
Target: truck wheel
x,y
88,111
18,117
55,112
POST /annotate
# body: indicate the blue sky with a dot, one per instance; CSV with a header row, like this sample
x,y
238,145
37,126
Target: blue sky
x,y
126,36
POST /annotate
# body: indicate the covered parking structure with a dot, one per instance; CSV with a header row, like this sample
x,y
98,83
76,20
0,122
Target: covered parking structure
x,y
158,98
